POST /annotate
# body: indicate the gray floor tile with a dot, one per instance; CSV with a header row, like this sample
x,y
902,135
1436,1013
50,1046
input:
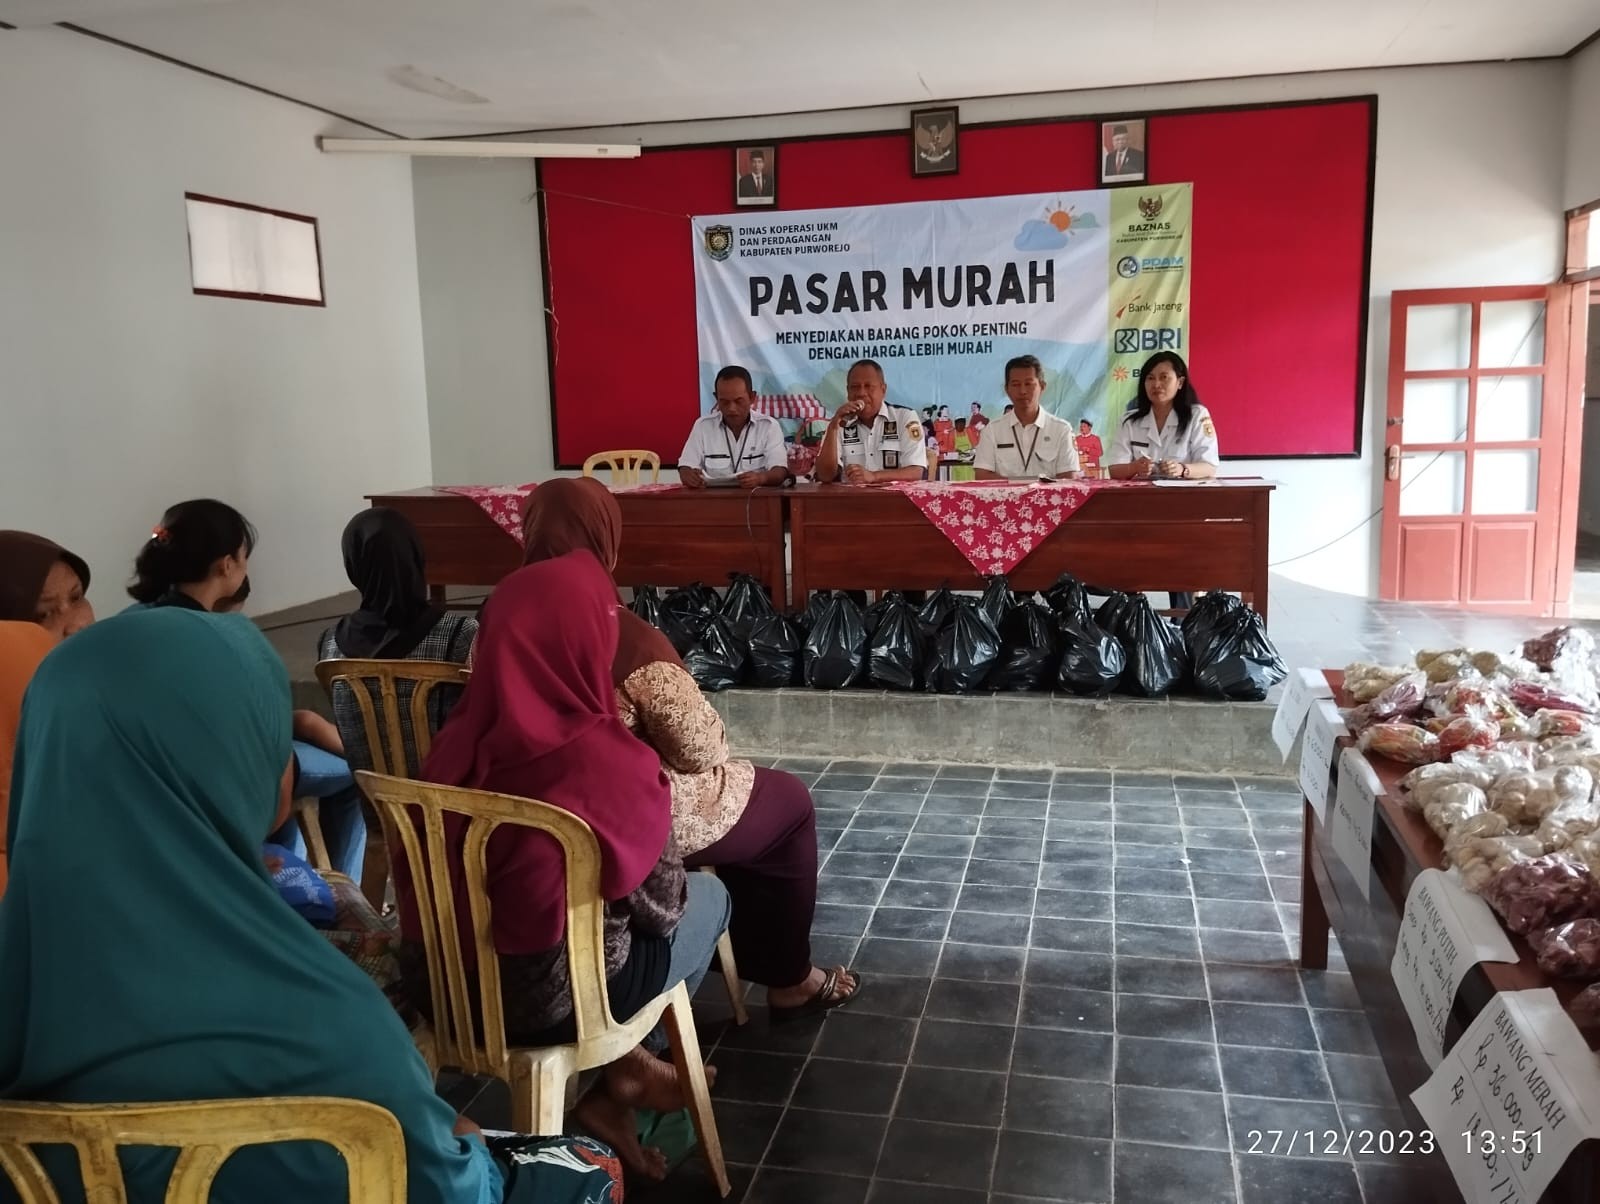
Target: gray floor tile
x,y
833,1085
1079,936
1181,1065
958,1097
920,1151
908,923
1171,911
1256,984
1076,854
946,825
857,892
1072,904
826,1141
1174,858
845,781
976,1002
858,840
746,1130
886,1191
1064,1007
1147,813
864,1038
1293,1181
775,1186
1164,1016
1269,1025
1001,873
965,773
1039,791
1225,861
1147,834
1094,876
840,920
960,1046
1007,848
1053,1168
865,768
756,1078
1219,838
1159,1174
930,869
1242,887
979,929
1058,968
938,846
1275,1073
952,804
1136,778
1358,1079
1344,1032
884,955
1160,976
1244,948
935,896
1023,773
1067,1107
1004,825
1017,808
860,865
1134,881
892,995
1239,916
1004,900
1082,777
1187,1118
1073,811
981,963
1330,989
1144,940
1292,1128
896,803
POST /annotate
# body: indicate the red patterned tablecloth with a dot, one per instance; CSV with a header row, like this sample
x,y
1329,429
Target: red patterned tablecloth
x,y
994,524
502,503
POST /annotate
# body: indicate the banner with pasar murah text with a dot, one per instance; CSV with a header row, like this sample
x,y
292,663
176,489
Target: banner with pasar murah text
x,y
943,293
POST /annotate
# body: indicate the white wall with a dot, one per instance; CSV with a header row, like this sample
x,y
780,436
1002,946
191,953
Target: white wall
x,y
122,391
1468,193
1583,128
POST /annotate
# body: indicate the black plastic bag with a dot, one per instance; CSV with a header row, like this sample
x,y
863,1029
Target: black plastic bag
x,y
936,608
1157,659
836,649
775,652
1208,613
996,601
807,618
896,644
1068,597
718,659
746,601
1112,611
1238,661
963,651
647,605
693,606
1027,650
1092,661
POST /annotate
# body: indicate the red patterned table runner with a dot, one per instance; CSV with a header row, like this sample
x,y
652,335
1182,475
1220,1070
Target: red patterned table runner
x,y
502,503
995,524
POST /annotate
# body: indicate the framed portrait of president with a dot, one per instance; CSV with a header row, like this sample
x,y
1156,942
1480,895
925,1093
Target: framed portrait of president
x,y
1123,148
755,176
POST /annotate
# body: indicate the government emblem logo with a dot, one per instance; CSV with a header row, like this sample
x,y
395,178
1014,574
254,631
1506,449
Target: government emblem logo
x,y
719,242
1150,206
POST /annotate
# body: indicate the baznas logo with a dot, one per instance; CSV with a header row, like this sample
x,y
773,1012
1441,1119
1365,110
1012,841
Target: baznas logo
x,y
1127,267
719,242
1150,206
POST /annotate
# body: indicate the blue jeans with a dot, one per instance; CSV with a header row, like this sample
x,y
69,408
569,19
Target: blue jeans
x,y
694,941
327,778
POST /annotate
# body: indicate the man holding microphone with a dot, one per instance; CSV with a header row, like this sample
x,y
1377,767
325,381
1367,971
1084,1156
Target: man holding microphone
x,y
867,441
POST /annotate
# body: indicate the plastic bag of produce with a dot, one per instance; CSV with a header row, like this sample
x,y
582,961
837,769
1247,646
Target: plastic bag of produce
x,y
746,601
1543,892
1067,596
1092,661
1364,681
1208,612
1112,612
936,608
647,605
1467,731
963,651
1530,796
1402,700
1533,697
1233,658
1570,950
719,657
1154,650
996,601
1402,742
1585,1008
836,648
775,652
1027,650
897,645
813,610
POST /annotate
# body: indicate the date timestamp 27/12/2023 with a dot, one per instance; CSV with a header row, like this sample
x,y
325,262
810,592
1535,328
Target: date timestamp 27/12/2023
x,y
1387,1142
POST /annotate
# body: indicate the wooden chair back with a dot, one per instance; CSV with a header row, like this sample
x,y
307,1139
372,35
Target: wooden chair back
x,y
205,1132
469,1025
624,465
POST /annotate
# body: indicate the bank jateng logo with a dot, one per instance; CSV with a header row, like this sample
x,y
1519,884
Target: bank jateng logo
x,y
719,242
1126,340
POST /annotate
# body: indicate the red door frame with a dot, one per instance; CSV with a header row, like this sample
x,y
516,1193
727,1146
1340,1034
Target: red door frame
x,y
1559,441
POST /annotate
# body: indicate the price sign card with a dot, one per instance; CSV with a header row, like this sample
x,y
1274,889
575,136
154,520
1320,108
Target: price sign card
x,y
1302,686
1444,933
1324,726
1513,1098
1350,818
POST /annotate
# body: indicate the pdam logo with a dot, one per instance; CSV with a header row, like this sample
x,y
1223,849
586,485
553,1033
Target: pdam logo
x,y
1128,267
1054,230
1161,263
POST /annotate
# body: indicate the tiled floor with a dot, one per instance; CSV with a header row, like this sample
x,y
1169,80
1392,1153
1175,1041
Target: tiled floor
x,y
1080,989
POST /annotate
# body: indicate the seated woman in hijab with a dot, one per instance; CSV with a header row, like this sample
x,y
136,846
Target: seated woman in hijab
x,y
396,621
153,757
198,558
539,720
22,647
756,826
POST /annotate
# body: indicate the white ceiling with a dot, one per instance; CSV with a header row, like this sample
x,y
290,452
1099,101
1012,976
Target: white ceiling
x,y
546,64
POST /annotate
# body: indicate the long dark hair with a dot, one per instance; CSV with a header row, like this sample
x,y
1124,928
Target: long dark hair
x,y
1182,405
189,539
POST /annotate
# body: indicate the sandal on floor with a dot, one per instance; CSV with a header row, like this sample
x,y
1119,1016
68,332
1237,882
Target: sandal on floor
x,y
823,1001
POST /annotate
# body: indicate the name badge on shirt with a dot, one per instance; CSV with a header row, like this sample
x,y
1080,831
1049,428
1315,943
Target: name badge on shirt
x,y
891,459
1007,446
1136,443
717,456
891,430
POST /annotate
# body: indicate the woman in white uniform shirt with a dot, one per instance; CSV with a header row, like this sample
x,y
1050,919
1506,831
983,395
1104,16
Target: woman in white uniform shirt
x,y
1166,432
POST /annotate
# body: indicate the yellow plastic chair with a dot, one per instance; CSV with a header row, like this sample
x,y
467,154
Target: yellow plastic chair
x,y
473,1037
375,686
205,1132
624,465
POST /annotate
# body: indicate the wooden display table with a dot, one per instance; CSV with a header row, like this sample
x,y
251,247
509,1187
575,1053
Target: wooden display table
x,y
1368,930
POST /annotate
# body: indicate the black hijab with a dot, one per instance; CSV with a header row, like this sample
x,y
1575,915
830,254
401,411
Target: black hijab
x,y
25,563
383,559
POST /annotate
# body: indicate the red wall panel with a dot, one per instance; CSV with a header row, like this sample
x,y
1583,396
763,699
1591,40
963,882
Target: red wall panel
x,y
1282,205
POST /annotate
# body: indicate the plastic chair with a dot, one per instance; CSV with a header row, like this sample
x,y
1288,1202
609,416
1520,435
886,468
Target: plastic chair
x,y
473,1037
206,1132
376,687
624,465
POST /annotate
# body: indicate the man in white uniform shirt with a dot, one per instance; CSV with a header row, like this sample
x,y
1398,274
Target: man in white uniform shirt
x,y
1026,443
734,443
868,441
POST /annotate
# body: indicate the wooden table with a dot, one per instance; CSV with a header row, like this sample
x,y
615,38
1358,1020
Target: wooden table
x,y
1368,929
671,537
1147,538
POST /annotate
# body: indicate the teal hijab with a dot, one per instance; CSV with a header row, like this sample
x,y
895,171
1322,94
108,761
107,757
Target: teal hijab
x,y
144,954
